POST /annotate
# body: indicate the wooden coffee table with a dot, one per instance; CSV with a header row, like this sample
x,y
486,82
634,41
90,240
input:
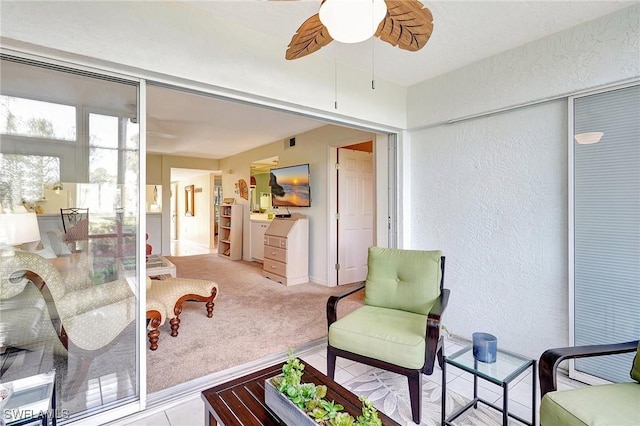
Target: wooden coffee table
x,y
241,401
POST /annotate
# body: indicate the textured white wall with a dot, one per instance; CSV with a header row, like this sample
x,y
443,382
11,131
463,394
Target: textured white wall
x,y
493,197
491,192
588,55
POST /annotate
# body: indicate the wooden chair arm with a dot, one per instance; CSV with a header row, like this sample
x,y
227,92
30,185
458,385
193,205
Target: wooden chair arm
x,y
433,318
551,358
441,304
332,303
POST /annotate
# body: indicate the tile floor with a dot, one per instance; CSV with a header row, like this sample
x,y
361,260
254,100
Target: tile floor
x,y
189,411
187,248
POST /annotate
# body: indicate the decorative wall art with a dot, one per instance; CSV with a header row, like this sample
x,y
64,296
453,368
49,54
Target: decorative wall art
x,y
244,189
189,209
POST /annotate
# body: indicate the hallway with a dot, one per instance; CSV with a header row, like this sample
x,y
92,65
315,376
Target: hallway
x,y
187,248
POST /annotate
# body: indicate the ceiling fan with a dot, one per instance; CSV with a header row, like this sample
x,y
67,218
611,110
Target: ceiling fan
x,y
405,23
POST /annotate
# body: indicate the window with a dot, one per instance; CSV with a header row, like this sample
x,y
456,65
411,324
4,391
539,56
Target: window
x,y
113,160
24,177
604,267
37,119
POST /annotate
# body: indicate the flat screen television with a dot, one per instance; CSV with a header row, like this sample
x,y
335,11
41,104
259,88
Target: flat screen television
x,y
290,186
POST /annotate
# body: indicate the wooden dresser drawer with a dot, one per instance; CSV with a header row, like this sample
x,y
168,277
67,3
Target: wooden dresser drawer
x,y
270,240
274,267
275,253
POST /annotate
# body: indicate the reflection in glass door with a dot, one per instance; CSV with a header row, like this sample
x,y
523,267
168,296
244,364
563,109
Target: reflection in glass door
x,y
68,303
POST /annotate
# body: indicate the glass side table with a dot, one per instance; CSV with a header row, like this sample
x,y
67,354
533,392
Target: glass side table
x,y
507,367
33,401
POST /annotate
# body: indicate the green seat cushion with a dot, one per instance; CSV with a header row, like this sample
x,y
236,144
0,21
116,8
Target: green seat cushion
x,y
390,335
403,279
616,404
635,367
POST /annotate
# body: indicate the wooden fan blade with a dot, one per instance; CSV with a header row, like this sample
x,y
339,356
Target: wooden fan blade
x,y
408,24
310,37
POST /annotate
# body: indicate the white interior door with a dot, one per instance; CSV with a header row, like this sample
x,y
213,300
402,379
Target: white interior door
x,y
356,207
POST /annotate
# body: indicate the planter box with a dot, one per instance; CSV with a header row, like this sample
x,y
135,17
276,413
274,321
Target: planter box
x,y
282,407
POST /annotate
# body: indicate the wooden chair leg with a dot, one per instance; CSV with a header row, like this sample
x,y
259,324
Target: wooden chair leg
x,y
415,394
177,310
175,324
154,333
331,363
440,353
153,336
434,342
209,309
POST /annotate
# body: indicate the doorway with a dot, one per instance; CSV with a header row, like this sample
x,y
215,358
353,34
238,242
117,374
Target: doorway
x,y
192,212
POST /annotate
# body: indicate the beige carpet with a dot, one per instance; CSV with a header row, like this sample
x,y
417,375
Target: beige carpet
x,y
253,317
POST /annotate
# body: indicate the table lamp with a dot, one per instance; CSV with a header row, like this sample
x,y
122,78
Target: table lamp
x,y
19,230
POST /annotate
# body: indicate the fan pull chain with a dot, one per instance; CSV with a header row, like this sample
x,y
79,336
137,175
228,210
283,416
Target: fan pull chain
x,y
373,65
373,50
335,79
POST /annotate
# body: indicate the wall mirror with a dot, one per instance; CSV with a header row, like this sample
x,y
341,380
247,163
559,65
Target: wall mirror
x,y
188,200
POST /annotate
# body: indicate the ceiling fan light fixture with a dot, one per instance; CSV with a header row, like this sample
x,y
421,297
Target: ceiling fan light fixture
x,y
352,21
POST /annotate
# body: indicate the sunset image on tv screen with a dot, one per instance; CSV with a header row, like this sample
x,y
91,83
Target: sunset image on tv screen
x,y
290,186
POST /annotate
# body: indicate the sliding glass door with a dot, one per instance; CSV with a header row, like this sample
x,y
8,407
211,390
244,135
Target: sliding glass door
x,y
605,214
69,152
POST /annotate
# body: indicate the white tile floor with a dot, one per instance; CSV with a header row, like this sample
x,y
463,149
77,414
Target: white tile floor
x,y
189,411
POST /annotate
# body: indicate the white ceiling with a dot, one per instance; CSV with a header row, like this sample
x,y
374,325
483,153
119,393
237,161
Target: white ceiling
x,y
191,125
186,124
464,31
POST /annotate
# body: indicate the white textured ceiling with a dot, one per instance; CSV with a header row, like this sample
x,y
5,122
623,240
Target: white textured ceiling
x,y
189,125
181,123
464,31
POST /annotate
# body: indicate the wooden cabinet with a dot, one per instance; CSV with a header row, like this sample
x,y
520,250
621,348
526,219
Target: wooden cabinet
x,y
230,231
258,228
286,250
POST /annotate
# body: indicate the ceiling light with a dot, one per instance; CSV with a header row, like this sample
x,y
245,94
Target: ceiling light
x,y
352,21
588,138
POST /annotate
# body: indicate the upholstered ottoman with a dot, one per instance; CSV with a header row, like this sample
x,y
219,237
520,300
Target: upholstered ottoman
x,y
173,292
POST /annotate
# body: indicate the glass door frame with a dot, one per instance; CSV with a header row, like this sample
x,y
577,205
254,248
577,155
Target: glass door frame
x,y
139,402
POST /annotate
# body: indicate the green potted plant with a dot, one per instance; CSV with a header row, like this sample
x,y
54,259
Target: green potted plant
x,y
297,403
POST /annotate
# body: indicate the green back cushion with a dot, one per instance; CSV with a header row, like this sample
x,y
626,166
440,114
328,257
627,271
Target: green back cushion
x,y
403,279
635,367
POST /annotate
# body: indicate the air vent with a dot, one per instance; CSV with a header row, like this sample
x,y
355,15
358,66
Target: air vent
x,y
290,143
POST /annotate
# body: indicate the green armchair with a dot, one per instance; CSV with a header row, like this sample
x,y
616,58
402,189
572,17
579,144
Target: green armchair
x,y
612,404
398,328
